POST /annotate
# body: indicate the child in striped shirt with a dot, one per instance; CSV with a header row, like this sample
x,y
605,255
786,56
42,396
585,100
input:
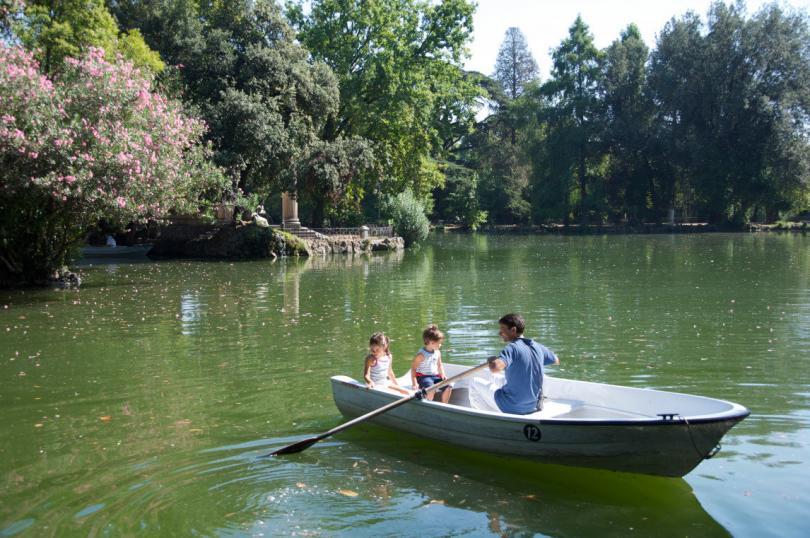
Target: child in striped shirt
x,y
427,368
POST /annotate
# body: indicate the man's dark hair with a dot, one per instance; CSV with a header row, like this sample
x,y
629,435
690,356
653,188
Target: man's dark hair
x,y
514,320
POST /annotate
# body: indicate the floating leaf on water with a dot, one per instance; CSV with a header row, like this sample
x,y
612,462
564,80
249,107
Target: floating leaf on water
x,y
38,425
105,418
348,492
300,485
436,501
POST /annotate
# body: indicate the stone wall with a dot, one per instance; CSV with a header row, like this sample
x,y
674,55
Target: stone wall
x,y
354,245
225,241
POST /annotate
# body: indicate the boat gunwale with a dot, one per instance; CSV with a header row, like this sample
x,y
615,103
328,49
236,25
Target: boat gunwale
x,y
736,413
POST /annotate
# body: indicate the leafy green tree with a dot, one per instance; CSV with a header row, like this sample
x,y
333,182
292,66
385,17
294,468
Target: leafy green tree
x,y
573,117
325,177
398,63
266,101
56,30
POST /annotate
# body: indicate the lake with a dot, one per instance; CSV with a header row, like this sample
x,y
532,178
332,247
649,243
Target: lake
x,y
139,403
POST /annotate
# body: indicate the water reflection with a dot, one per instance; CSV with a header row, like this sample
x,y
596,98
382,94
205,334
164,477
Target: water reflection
x,y
191,312
398,484
291,288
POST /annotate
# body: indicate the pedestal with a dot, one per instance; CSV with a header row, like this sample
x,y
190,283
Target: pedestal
x,y
289,211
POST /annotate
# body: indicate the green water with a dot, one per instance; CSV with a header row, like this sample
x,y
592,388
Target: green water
x,y
139,404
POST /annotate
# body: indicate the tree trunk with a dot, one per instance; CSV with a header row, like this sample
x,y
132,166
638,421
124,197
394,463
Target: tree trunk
x,y
583,217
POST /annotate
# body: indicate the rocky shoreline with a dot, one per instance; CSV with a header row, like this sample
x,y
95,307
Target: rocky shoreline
x,y
252,240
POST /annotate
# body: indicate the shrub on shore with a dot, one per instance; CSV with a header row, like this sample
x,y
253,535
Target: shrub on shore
x,y
408,215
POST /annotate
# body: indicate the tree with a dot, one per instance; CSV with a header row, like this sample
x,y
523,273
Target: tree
x,y
95,142
398,63
736,97
515,65
497,152
325,175
266,100
458,200
56,30
628,126
504,173
573,115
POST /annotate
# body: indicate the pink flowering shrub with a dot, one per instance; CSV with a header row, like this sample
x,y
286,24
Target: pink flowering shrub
x,y
97,142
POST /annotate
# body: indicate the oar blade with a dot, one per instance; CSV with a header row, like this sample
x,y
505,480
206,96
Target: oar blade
x,y
295,447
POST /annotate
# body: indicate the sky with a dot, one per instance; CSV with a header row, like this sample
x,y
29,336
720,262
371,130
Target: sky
x,y
545,23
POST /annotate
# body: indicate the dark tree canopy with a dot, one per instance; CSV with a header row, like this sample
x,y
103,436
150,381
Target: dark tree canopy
x,y
266,101
573,118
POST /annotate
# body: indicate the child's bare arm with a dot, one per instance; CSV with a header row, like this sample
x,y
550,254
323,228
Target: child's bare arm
x,y
441,366
391,376
367,371
417,360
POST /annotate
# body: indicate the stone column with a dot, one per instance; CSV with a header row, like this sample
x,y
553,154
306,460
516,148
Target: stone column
x,y
289,211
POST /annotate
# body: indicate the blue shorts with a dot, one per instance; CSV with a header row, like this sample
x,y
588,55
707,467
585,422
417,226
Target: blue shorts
x,y
426,381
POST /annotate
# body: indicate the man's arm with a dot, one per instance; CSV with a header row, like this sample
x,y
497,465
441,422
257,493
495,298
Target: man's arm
x,y
496,364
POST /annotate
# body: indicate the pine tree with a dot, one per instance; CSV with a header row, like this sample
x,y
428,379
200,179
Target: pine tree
x,y
515,65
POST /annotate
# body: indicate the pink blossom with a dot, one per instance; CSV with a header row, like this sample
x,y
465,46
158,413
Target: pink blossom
x,y
121,202
70,179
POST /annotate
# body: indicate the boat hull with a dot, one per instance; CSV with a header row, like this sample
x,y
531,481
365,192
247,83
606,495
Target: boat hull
x,y
657,446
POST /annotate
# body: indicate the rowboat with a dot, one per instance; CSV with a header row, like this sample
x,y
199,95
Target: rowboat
x,y
581,423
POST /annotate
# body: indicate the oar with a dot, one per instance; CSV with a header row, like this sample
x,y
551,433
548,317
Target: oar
x,y
306,443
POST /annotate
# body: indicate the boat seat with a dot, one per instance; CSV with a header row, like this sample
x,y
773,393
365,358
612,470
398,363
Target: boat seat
x,y
555,408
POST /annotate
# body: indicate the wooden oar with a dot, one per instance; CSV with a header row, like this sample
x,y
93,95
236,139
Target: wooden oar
x,y
306,443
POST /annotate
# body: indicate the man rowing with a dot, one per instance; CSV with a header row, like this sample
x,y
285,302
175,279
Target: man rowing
x,y
520,390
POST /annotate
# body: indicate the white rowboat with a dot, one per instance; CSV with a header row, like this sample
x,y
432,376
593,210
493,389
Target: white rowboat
x,y
582,424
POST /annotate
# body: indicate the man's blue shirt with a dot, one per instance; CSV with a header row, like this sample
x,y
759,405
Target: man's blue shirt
x,y
524,360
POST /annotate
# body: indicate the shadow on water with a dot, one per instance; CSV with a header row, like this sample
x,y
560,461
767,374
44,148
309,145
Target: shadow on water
x,y
498,495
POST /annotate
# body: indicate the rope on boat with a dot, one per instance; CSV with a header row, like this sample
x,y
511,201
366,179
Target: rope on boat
x,y
668,417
